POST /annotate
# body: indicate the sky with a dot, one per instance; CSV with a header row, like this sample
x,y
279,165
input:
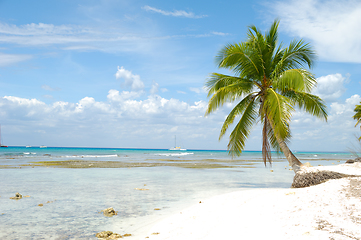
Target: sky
x,y
131,74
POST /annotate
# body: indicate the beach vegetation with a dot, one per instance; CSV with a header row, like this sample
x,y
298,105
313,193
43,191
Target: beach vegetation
x,y
357,116
267,83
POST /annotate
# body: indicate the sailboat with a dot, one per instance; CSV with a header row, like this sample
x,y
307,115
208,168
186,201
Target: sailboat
x,y
0,139
175,146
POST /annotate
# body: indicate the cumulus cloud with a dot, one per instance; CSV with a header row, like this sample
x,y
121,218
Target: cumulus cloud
x,y
347,107
332,26
122,116
124,120
154,88
130,80
337,134
175,13
330,87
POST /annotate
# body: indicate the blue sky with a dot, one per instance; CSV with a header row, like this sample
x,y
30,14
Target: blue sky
x,y
118,73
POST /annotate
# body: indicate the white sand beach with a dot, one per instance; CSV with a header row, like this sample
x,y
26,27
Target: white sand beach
x,y
331,210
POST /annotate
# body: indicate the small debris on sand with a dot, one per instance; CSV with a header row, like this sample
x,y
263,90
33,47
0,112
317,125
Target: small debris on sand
x,y
42,204
109,212
110,235
17,196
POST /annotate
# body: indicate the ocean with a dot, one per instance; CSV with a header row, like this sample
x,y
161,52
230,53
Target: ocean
x,y
67,188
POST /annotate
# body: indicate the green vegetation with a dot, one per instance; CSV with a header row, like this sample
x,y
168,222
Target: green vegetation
x,y
357,115
268,82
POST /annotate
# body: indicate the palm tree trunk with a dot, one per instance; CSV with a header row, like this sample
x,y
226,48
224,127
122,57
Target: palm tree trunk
x,y
292,160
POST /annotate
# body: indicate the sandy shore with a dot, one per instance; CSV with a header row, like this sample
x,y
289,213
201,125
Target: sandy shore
x,y
331,210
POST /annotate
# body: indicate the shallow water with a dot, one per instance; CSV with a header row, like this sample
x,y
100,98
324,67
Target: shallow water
x,y
73,198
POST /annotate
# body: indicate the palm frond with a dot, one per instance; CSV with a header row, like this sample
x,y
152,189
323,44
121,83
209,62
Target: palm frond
x,y
278,109
299,80
236,111
239,58
224,88
272,35
357,115
241,131
296,55
310,103
258,44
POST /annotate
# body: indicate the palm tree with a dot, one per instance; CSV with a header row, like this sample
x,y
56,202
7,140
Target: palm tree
x,y
357,115
268,82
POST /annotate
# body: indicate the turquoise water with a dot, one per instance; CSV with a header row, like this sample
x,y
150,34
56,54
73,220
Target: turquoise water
x,y
73,198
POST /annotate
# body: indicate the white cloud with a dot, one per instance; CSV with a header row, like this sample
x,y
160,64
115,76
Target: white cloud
x,y
123,120
220,33
38,29
77,37
122,116
175,13
198,90
154,88
114,96
332,26
130,80
37,34
23,101
181,92
337,134
9,59
347,107
142,39
48,88
330,87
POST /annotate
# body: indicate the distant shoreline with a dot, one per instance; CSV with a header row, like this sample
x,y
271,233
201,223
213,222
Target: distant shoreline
x,y
166,149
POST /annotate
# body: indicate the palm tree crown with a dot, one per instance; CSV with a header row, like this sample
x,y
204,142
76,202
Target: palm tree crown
x,y
268,82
